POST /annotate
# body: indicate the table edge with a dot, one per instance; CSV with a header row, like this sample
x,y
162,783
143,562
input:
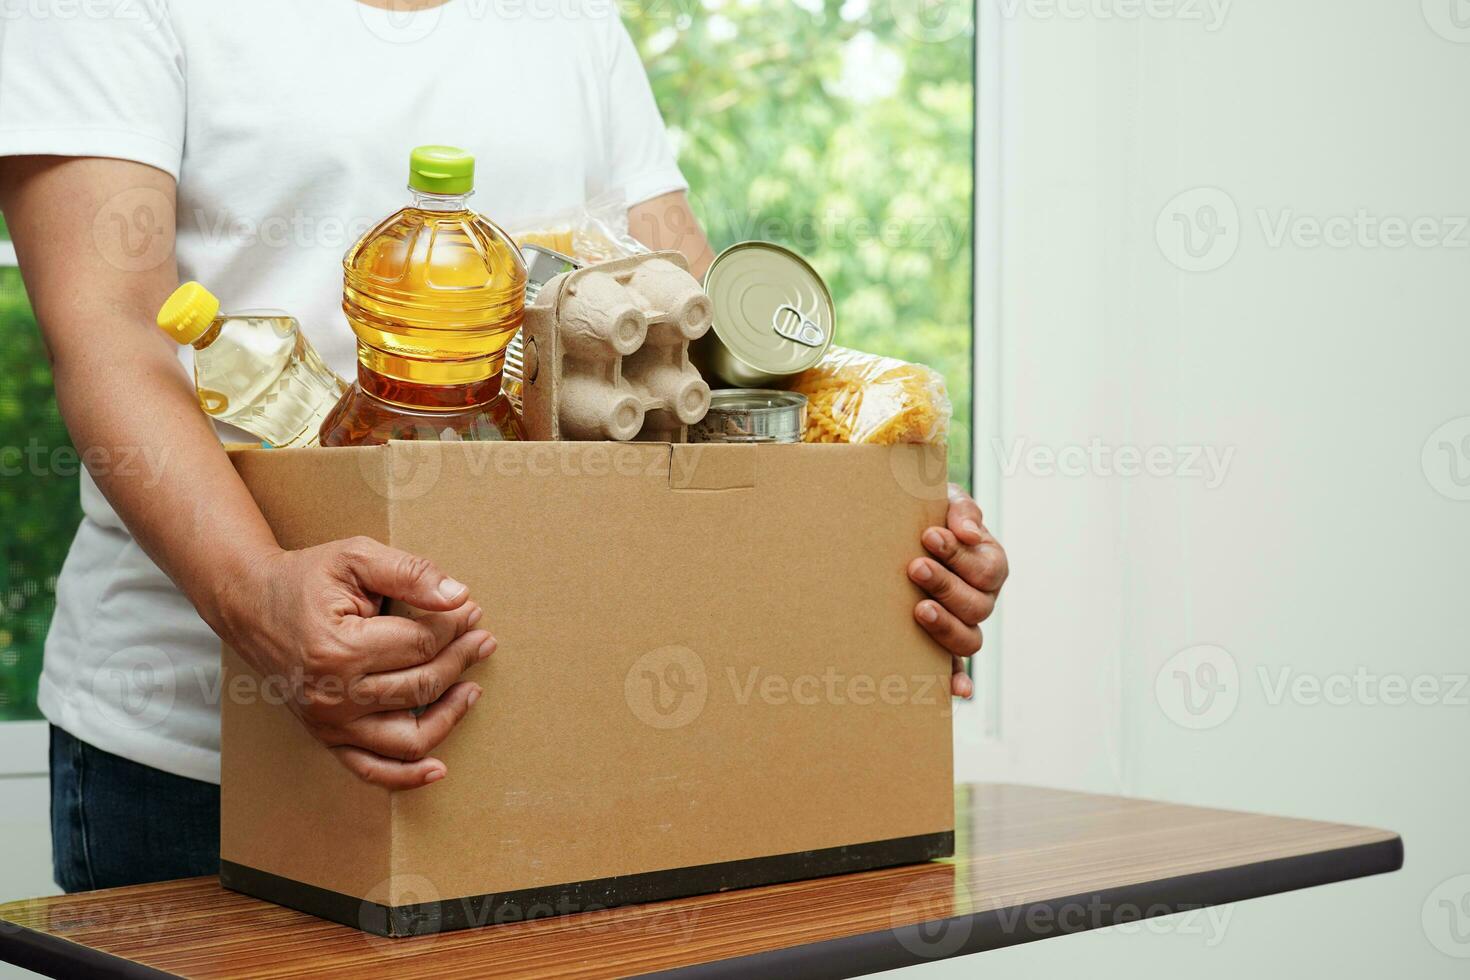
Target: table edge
x,y
891,949
54,956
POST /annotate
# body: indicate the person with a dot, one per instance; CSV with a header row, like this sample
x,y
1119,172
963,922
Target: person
x,y
145,142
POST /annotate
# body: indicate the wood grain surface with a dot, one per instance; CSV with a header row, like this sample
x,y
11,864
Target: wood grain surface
x,y
1031,863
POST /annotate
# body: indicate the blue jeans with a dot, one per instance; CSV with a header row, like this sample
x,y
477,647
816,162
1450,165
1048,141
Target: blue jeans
x,y
115,822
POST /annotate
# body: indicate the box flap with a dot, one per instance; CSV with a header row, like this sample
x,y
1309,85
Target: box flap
x,y
311,496
712,466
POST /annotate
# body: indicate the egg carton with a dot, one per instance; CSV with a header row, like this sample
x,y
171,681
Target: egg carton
x,y
606,353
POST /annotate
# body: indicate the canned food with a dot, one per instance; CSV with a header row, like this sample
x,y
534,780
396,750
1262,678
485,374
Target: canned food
x,y
743,415
773,316
542,266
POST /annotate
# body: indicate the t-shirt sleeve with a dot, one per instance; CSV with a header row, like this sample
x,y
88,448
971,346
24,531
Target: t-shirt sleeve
x,y
98,78
640,157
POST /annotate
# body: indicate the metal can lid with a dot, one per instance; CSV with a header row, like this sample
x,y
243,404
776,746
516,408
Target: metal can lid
x,y
771,309
755,401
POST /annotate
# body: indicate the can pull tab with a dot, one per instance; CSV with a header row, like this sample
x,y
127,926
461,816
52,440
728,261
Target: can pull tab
x,y
796,326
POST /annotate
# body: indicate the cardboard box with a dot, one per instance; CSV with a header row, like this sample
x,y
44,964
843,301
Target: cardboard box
x,y
708,677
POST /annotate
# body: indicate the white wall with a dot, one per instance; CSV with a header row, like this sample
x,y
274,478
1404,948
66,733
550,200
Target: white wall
x,y
25,802
1333,541
25,829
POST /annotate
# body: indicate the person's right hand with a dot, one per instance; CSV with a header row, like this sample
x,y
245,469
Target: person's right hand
x,y
309,622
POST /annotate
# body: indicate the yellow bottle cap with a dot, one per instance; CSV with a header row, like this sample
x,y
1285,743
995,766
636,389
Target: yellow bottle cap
x,y
187,314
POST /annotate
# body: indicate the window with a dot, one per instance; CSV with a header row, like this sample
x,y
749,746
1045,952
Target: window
x,y
38,494
843,129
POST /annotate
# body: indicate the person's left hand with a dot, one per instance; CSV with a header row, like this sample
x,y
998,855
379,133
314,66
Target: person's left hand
x,y
963,578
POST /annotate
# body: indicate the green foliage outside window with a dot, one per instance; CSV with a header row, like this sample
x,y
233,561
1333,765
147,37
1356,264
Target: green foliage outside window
x,y
845,130
38,496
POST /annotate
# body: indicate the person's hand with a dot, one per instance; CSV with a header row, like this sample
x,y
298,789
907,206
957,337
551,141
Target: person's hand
x,y
963,579
308,621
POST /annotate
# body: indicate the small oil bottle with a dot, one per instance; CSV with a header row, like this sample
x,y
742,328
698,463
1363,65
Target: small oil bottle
x,y
254,370
434,295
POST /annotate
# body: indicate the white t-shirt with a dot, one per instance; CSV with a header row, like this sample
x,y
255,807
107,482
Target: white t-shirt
x,y
288,124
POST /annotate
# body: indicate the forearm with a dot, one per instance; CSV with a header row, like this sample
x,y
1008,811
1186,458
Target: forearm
x,y
667,222
128,404
178,493
309,615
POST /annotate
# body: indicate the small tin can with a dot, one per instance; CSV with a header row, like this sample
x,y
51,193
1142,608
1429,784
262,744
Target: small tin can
x,y
745,415
773,317
542,266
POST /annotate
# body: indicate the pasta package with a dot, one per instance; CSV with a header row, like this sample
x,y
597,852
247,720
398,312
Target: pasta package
x,y
863,398
594,233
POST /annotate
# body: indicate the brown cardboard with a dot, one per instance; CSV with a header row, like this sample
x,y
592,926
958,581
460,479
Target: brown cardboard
x,y
759,591
607,352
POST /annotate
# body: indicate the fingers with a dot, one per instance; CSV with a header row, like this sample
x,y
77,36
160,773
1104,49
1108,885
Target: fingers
x,y
389,773
967,604
964,517
405,736
397,642
426,683
960,684
983,566
951,634
392,749
963,577
396,574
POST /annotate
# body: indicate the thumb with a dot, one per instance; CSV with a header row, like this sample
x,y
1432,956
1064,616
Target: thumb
x,y
399,575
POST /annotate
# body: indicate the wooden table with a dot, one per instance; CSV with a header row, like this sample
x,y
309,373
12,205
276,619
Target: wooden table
x,y
1031,864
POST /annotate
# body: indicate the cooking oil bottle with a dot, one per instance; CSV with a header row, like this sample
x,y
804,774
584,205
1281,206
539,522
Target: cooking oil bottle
x,y
434,294
255,369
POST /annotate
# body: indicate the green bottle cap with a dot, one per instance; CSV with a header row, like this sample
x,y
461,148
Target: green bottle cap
x,y
441,170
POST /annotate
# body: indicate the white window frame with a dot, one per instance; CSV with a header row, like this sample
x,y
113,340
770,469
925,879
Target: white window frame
x,y
980,747
24,748
986,380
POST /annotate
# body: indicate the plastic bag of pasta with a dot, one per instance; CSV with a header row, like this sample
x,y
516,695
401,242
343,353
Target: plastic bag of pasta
x,y
857,397
595,232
